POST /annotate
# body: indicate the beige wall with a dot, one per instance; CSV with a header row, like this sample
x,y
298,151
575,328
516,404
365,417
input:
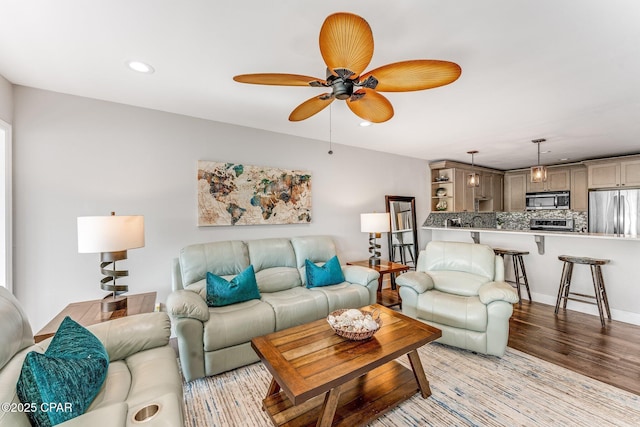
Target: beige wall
x,y
75,156
6,100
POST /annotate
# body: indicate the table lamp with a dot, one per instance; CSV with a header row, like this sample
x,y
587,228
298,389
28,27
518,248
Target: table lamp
x,y
111,236
374,224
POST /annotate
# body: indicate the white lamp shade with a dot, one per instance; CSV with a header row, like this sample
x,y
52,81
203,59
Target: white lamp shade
x,y
110,233
375,223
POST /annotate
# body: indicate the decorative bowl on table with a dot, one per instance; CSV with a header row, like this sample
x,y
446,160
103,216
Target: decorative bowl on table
x,y
355,324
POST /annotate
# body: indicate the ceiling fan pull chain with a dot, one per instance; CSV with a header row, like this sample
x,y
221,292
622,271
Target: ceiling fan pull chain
x,y
330,145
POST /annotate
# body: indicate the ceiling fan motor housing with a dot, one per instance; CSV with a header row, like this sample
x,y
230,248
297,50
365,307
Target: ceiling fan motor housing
x,y
342,89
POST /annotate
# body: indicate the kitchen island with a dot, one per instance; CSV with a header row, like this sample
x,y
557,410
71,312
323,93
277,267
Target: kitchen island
x,y
621,275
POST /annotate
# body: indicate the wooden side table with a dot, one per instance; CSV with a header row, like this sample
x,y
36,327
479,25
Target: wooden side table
x,y
89,313
386,297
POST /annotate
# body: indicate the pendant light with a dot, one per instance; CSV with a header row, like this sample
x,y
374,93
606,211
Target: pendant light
x,y
473,179
538,172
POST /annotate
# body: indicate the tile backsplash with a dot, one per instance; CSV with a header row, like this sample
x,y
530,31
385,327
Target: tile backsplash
x,y
468,219
521,220
509,220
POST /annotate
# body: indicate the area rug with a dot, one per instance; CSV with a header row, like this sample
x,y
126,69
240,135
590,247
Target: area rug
x,y
468,390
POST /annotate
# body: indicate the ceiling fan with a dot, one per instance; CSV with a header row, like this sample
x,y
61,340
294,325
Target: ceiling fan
x,y
346,45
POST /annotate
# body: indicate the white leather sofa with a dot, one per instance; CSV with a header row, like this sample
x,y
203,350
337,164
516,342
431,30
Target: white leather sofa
x,y
212,340
460,289
142,372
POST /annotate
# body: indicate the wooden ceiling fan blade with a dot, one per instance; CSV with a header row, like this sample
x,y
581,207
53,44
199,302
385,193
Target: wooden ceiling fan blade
x,y
419,74
310,107
346,41
278,79
370,105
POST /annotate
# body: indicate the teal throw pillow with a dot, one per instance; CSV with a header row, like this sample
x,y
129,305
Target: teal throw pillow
x,y
61,383
329,274
221,292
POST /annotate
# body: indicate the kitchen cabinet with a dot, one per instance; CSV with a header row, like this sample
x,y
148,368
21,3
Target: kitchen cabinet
x,y
517,184
614,173
558,179
490,192
630,173
484,195
579,191
485,190
463,197
515,189
458,196
604,175
497,184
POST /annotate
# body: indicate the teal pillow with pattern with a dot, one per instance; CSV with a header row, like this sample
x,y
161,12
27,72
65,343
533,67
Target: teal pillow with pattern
x,y
61,383
329,274
243,287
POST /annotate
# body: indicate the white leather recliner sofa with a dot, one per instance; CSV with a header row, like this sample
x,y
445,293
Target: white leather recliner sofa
x,y
142,379
212,340
460,289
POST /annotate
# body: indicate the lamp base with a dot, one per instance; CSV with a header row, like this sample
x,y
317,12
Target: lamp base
x,y
374,247
113,303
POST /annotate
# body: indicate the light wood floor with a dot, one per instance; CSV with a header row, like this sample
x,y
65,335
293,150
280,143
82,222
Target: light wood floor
x,y
576,341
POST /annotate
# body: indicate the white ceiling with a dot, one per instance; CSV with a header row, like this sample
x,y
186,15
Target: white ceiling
x,y
567,71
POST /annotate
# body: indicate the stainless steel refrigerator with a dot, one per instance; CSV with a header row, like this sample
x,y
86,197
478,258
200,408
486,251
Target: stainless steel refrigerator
x,y
614,212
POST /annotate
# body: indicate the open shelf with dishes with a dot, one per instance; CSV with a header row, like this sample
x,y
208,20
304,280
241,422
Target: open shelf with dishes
x,y
442,190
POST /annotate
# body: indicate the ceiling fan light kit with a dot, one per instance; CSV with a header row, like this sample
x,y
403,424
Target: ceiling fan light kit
x,y
538,172
346,46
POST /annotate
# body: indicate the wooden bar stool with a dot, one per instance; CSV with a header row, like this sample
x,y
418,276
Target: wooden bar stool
x,y
518,269
564,293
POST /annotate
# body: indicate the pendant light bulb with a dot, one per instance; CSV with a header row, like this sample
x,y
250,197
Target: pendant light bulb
x,y
538,172
473,179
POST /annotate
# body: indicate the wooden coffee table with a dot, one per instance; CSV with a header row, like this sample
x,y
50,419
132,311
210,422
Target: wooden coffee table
x,y
322,379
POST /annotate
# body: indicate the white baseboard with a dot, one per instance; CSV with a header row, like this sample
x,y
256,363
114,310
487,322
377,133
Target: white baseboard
x,y
619,315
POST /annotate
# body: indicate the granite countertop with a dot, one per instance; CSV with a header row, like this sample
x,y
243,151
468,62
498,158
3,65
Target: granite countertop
x,y
535,232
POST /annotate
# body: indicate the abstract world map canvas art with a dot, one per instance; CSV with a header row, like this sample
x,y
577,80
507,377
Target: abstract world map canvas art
x,y
238,194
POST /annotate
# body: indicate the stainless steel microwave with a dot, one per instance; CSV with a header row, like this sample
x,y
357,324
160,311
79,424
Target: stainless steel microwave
x,y
547,200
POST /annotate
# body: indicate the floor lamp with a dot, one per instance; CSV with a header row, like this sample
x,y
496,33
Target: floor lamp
x,y
111,236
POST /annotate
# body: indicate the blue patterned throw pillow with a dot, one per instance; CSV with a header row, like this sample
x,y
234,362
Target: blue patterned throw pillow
x,y
329,274
221,292
61,383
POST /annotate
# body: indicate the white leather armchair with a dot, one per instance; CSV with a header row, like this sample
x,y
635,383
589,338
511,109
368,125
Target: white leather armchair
x,y
460,289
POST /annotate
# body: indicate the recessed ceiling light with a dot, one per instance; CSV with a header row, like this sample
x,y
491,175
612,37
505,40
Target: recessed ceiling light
x,y
545,152
365,124
140,67
564,159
